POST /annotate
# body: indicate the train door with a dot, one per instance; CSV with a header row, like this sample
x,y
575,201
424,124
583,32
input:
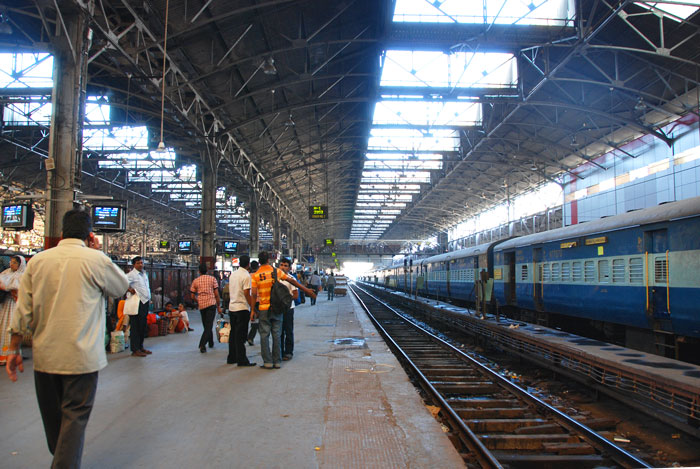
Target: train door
x,y
537,285
657,246
447,277
509,260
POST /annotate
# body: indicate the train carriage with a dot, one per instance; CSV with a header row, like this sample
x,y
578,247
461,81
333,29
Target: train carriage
x,y
638,269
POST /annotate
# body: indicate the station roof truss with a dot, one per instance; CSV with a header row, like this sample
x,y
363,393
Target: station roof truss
x,y
403,117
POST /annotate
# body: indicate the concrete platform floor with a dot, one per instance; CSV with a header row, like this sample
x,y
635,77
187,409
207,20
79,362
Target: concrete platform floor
x,y
338,403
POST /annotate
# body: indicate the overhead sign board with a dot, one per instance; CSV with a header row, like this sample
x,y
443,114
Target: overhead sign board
x,y
318,212
330,242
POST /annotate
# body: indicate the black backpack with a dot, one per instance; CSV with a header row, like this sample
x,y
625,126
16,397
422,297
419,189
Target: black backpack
x,y
280,297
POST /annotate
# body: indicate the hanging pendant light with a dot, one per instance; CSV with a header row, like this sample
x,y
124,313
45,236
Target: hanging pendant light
x,y
161,144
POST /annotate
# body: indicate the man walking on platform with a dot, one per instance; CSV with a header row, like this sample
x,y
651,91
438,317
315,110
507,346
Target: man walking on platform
x,y
139,284
270,321
61,300
206,289
315,284
330,286
239,310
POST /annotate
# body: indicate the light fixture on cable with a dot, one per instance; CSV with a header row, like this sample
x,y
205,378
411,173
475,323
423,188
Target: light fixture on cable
x,y
268,66
161,144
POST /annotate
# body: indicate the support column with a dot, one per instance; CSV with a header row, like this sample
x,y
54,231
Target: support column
x,y
254,226
277,233
64,164
442,241
208,222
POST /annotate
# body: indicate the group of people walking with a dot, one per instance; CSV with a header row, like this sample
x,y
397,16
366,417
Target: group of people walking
x,y
59,300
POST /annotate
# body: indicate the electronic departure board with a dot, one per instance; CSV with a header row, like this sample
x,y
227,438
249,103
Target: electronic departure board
x,y
109,218
330,242
17,217
318,212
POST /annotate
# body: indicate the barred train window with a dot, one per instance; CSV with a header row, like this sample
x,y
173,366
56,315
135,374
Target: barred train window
x,y
565,272
523,273
589,271
618,271
636,270
660,270
604,271
556,269
539,272
546,275
576,271
470,275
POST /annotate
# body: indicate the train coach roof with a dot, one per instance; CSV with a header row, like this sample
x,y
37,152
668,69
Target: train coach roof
x,y
659,213
466,252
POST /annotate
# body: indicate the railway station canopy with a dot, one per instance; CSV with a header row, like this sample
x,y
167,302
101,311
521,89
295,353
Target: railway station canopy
x,y
399,117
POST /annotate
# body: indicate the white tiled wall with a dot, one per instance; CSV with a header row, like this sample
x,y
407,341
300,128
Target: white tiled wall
x,y
675,183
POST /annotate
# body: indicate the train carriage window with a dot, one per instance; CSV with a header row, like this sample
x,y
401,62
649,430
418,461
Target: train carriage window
x,y
604,271
565,272
576,271
470,275
540,274
556,269
589,271
618,270
546,273
660,270
523,273
636,270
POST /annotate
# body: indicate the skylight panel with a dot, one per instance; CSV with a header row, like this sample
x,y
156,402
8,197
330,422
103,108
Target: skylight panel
x,y
403,156
427,113
413,140
673,11
522,12
396,176
26,70
402,165
454,70
29,111
121,138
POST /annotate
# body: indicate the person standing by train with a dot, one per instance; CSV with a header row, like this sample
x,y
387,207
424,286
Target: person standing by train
x,y
254,266
330,286
206,289
139,285
61,300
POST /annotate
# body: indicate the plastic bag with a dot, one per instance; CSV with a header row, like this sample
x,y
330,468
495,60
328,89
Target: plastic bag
x,y
131,305
116,343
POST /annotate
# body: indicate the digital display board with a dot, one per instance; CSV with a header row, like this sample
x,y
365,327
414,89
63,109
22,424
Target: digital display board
x,y
318,212
17,217
184,246
108,218
230,247
162,244
330,242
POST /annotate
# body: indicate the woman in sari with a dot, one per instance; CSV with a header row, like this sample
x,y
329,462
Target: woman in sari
x,y
9,283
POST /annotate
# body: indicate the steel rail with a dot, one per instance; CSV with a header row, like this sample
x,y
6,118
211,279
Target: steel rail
x,y
615,452
482,454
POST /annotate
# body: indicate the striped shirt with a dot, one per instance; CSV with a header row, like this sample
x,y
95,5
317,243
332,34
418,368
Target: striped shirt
x,y
262,281
204,286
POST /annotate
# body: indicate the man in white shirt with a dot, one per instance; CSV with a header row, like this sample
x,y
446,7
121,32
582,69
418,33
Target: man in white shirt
x,y
139,284
61,300
239,308
287,340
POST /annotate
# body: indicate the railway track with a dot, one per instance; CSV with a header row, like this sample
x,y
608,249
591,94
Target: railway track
x,y
501,424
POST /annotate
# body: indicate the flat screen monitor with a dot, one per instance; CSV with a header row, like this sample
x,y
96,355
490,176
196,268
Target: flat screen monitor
x,y
162,244
17,217
230,247
108,218
184,246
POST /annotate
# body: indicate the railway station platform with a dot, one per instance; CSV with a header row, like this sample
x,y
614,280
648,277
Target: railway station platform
x,y
342,401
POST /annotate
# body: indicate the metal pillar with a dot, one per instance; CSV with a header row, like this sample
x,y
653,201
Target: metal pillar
x,y
277,233
254,226
208,222
64,164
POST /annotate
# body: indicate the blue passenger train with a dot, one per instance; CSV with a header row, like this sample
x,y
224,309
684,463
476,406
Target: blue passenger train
x,y
632,278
